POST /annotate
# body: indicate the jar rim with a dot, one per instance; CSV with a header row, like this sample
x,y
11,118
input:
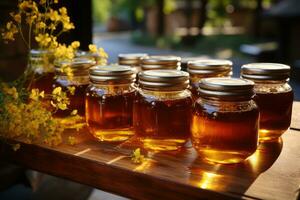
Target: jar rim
x,y
265,71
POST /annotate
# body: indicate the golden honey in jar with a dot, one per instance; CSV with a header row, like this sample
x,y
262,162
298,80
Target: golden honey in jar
x,y
162,109
225,120
41,62
274,97
160,62
199,69
79,80
109,103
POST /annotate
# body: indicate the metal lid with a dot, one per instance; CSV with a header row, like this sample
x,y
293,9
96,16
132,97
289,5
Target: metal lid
x,y
210,67
164,80
160,62
112,74
231,89
39,52
79,66
185,60
265,71
131,58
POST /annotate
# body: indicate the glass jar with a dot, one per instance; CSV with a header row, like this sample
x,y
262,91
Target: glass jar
x,y
80,80
184,61
162,109
200,69
274,97
41,62
160,62
109,103
225,120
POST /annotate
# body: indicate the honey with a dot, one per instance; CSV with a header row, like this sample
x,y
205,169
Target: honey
x,y
225,120
80,81
274,97
109,103
206,68
162,110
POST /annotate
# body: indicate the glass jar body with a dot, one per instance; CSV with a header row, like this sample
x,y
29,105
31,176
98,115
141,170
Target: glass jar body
x,y
77,99
43,69
109,111
275,102
225,132
161,119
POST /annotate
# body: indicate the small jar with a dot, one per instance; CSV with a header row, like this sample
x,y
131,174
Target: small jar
x,y
184,61
200,69
41,62
160,62
225,120
79,80
274,97
162,109
109,103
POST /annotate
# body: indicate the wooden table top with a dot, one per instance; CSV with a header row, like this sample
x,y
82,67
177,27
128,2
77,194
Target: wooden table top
x,y
273,172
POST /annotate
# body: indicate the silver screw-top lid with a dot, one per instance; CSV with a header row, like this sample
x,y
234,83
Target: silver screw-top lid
x,y
163,80
265,71
160,62
231,89
132,59
112,74
210,67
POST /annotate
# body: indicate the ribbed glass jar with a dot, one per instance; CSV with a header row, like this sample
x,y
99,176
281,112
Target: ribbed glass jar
x,y
274,97
225,120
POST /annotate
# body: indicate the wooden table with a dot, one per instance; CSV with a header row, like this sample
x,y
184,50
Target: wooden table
x,y
273,172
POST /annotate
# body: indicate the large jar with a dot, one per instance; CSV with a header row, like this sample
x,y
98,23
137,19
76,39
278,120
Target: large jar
x,y
160,62
200,69
225,120
79,68
274,97
109,103
162,109
41,63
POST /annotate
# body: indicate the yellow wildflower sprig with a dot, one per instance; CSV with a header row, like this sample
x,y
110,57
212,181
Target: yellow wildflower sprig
x,y
100,55
137,157
60,99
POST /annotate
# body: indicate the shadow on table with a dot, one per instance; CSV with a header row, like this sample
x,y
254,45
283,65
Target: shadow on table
x,y
234,178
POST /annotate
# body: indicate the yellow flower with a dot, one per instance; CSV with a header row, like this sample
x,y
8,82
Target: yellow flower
x,y
93,48
12,91
137,157
72,90
34,95
41,25
74,112
75,44
63,11
16,17
57,91
53,15
43,39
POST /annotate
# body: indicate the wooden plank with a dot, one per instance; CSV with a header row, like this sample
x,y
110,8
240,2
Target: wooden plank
x,y
295,124
272,173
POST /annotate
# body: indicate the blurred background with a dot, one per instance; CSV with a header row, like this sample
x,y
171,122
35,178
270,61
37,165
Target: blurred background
x,y
240,30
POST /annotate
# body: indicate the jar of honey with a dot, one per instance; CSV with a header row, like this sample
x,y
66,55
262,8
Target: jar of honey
x,y
225,120
162,109
41,63
274,97
131,59
200,69
79,68
109,103
160,62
